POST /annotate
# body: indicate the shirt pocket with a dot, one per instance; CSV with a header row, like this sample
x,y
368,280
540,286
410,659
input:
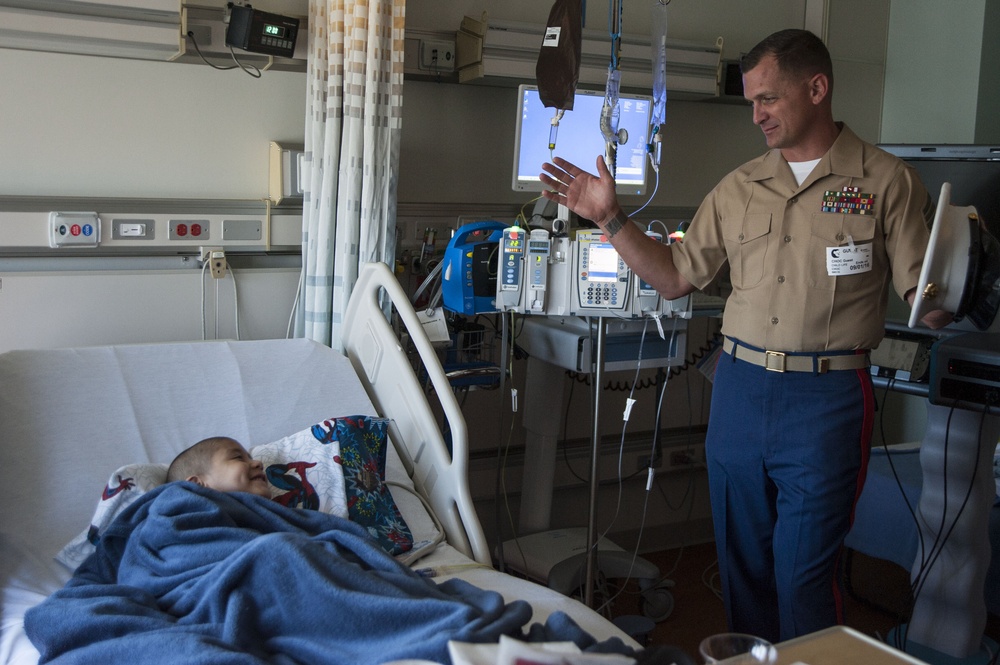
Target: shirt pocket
x,y
747,249
829,231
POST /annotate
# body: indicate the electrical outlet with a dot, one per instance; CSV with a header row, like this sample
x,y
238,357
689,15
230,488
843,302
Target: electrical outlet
x,y
437,55
216,256
201,34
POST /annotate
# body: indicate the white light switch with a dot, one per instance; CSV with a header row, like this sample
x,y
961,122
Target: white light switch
x,y
133,228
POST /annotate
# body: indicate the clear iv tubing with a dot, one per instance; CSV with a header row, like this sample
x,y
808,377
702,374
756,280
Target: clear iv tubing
x,y
615,31
609,112
656,186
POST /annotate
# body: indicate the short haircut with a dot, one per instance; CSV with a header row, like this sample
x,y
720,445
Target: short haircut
x,y
798,52
195,460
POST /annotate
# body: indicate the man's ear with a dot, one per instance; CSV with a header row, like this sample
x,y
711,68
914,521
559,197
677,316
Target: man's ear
x,y
819,88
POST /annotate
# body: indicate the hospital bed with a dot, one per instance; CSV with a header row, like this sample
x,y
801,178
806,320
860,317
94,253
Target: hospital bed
x,y
70,417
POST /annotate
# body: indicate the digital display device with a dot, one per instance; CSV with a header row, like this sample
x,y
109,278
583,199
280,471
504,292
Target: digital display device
x,y
274,30
974,174
262,32
972,170
579,139
603,262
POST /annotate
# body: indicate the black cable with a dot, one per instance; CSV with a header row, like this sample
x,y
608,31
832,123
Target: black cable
x,y
936,551
256,73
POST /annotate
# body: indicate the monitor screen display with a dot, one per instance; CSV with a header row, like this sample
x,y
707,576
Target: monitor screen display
x,y
972,170
603,263
579,138
974,174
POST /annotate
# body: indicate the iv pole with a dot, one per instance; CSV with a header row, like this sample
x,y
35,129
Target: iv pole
x,y
590,570
614,20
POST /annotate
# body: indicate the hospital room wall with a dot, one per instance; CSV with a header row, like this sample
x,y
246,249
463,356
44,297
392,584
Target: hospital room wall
x,y
106,127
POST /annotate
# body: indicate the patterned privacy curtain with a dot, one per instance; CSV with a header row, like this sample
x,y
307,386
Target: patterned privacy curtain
x,y
353,119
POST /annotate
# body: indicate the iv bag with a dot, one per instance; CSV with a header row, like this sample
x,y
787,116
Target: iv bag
x,y
558,66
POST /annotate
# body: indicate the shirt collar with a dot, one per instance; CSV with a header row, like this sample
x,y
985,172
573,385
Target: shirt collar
x,y
845,158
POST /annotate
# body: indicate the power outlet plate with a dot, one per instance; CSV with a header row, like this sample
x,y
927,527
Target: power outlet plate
x,y
216,258
437,55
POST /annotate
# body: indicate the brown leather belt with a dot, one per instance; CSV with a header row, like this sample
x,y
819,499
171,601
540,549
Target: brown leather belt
x,y
777,361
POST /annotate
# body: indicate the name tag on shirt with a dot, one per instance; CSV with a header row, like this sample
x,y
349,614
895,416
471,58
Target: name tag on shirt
x,y
850,260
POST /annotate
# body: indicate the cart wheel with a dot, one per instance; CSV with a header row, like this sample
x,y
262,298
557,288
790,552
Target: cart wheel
x,y
657,603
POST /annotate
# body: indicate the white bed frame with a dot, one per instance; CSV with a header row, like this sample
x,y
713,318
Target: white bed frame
x,y
70,417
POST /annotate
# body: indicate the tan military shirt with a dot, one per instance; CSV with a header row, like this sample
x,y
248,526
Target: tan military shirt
x,y
811,265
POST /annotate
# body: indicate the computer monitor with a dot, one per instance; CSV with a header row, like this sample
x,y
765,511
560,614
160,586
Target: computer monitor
x,y
974,174
972,170
579,138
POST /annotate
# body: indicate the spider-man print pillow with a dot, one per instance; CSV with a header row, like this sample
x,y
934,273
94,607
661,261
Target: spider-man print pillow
x,y
125,485
363,441
303,470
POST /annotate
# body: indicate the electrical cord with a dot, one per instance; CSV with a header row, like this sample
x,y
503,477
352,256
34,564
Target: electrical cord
x,y
249,69
968,493
295,303
920,579
236,303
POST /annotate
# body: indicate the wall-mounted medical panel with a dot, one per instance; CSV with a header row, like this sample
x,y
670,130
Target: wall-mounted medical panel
x,y
74,229
55,226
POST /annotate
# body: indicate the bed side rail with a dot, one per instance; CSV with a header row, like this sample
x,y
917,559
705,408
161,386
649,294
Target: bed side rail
x,y
383,367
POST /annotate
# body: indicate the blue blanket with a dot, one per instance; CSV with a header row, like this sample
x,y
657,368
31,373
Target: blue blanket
x,y
190,575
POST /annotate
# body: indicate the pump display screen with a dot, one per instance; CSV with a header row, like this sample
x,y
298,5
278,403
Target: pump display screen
x,y
603,263
274,30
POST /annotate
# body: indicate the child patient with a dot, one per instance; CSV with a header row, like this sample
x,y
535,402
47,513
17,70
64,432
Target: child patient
x,y
220,463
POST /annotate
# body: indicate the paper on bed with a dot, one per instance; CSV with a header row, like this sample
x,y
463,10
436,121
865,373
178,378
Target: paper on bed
x,y
510,651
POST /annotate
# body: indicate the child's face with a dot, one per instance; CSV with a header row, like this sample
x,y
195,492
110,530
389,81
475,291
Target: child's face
x,y
233,470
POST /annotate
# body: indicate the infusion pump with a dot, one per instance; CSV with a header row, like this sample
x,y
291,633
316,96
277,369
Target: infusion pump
x,y
583,276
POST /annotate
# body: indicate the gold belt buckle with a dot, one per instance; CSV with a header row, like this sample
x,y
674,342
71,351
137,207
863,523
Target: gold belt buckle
x,y
780,361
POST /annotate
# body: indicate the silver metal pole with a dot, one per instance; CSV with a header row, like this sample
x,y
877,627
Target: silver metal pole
x,y
595,442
